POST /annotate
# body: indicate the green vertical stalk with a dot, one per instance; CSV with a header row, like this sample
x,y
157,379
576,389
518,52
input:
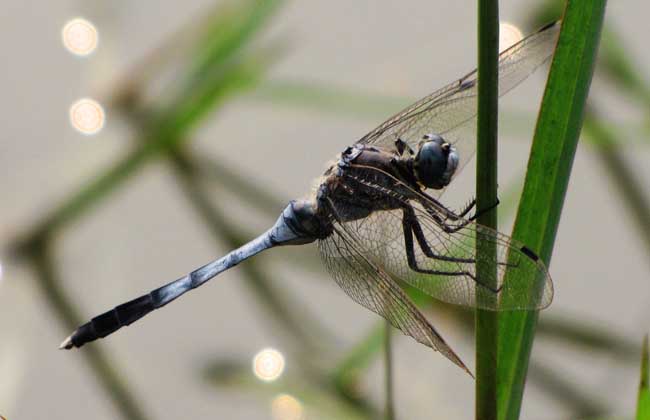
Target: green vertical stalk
x,y
486,197
643,399
389,410
549,168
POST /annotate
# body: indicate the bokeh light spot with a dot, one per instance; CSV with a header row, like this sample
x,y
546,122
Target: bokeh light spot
x,y
79,36
87,116
286,407
509,35
268,364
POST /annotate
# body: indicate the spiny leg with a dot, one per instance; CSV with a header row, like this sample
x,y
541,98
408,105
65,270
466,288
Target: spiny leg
x,y
442,222
467,208
471,205
441,219
424,244
410,225
440,213
483,211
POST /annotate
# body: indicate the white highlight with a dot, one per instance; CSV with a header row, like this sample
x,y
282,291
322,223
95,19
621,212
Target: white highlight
x,y
87,116
268,364
286,407
509,35
79,36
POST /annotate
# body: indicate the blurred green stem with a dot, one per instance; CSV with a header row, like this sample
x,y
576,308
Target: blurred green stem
x,y
486,197
643,399
104,370
307,331
388,378
627,184
573,396
257,194
165,132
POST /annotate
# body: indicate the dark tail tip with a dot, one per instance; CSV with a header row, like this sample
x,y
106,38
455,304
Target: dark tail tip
x,y
82,335
66,344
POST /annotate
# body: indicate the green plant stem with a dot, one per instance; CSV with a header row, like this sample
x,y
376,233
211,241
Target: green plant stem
x,y
104,369
251,190
572,394
549,168
486,197
389,411
356,361
643,399
167,132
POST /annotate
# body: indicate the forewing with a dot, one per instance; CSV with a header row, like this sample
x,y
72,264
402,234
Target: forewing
x,y
521,281
367,284
451,111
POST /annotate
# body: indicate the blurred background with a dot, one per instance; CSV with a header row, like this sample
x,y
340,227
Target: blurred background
x,y
141,140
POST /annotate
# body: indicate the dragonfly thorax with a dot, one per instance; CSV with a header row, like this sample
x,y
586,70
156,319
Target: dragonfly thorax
x,y
435,162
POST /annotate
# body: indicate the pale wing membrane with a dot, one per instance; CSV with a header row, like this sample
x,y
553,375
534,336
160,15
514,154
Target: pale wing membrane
x,y
445,110
372,288
521,281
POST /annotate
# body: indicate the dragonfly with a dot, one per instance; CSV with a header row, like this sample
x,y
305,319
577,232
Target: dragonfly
x,y
378,221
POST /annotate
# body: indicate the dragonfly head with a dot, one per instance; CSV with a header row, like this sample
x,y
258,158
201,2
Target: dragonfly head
x,y
435,162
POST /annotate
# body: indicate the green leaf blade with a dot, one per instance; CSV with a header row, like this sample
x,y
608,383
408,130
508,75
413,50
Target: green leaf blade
x,y
549,167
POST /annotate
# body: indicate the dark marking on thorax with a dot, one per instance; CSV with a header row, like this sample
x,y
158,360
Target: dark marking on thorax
x,y
365,179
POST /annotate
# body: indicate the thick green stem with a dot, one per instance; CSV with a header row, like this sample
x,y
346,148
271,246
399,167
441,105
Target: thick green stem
x,y
486,197
549,168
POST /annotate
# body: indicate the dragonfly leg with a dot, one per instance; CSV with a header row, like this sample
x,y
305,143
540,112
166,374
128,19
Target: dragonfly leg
x,y
445,213
452,215
467,208
424,245
483,211
402,147
411,226
447,227
441,214
453,228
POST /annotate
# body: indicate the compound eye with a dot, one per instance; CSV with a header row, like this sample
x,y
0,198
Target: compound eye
x,y
430,164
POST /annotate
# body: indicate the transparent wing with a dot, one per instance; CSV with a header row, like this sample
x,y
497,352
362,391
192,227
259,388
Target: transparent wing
x,y
371,287
451,111
410,244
